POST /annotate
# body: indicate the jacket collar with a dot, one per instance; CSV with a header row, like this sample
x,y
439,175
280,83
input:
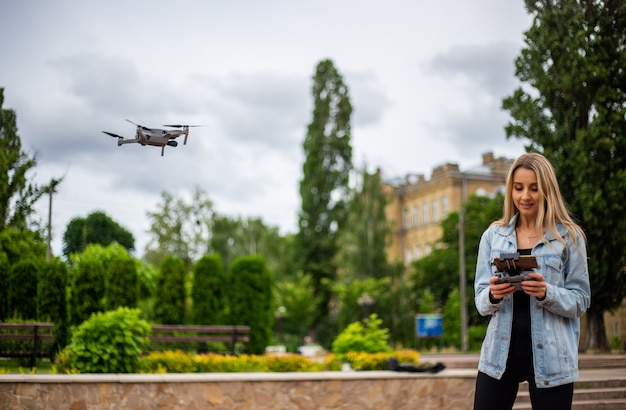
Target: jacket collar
x,y
509,229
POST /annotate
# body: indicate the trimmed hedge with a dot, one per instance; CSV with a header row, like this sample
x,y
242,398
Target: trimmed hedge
x,y
176,361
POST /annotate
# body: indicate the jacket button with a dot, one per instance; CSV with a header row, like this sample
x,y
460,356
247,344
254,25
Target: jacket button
x,y
539,346
546,383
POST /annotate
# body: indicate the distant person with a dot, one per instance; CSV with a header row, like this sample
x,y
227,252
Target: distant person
x,y
533,332
309,348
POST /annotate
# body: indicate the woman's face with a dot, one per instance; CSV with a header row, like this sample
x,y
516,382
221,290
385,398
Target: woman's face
x,y
526,192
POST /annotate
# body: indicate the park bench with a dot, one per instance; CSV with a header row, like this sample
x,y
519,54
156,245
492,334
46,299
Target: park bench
x,y
36,333
230,335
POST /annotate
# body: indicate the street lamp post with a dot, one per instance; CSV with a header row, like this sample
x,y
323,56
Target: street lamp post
x,y
462,272
280,314
51,190
365,301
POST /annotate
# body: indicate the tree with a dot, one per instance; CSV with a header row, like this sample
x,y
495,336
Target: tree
x,y
23,277
349,293
575,115
324,186
251,300
180,228
209,291
364,240
299,301
169,306
17,245
122,285
53,298
97,228
4,286
17,195
88,284
232,238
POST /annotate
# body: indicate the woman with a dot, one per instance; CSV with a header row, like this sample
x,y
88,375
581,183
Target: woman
x,y
533,333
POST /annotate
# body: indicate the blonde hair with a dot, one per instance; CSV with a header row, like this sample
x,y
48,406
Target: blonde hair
x,y
552,209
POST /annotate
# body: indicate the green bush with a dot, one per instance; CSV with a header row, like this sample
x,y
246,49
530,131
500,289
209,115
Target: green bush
x,y
365,337
476,336
616,342
107,342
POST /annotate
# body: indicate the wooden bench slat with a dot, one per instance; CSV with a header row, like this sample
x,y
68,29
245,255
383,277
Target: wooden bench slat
x,y
25,336
199,339
25,326
201,333
199,328
33,332
23,354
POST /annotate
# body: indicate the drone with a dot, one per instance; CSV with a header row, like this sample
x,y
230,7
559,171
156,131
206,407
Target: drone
x,y
155,136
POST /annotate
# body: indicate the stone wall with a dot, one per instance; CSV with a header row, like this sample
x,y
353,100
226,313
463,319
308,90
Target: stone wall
x,y
449,389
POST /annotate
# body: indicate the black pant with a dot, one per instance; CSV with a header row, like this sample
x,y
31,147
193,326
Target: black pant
x,y
493,394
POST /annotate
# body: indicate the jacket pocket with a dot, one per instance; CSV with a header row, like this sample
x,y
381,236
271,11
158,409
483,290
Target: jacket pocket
x,y
552,270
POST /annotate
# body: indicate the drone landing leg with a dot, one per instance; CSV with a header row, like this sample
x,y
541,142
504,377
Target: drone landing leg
x,y
162,150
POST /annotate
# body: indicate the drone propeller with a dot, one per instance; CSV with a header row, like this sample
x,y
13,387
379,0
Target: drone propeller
x,y
185,127
142,127
181,126
113,135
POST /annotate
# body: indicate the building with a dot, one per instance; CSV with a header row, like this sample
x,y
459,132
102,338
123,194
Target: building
x,y
416,205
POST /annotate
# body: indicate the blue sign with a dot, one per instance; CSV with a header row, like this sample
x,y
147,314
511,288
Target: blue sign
x,y
429,325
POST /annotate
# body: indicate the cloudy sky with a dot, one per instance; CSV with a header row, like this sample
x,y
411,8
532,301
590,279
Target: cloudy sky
x,y
426,81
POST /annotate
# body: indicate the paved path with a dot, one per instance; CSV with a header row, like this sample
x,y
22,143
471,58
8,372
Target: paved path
x,y
591,366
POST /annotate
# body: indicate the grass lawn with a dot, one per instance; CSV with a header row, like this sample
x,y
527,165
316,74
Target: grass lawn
x,y
22,365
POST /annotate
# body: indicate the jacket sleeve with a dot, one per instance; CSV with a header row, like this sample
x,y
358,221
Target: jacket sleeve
x,y
484,272
574,298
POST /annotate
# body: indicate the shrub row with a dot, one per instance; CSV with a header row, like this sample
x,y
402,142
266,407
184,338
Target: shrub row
x,y
176,361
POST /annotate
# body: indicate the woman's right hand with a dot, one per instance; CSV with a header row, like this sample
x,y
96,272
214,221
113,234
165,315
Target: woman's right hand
x,y
498,291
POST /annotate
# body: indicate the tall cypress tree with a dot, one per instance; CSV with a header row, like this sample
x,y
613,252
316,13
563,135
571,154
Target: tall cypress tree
x,y
209,291
574,59
251,299
324,186
52,292
17,195
169,305
88,283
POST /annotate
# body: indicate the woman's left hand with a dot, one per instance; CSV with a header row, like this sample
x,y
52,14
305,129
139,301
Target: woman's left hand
x,y
537,287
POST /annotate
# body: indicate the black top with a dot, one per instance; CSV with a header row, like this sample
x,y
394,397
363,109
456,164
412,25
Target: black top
x,y
520,362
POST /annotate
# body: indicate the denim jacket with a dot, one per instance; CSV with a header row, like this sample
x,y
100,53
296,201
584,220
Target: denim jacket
x,y
555,321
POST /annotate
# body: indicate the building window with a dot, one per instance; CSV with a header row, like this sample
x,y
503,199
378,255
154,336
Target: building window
x,y
405,219
435,210
418,251
416,215
408,256
444,206
425,217
427,249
